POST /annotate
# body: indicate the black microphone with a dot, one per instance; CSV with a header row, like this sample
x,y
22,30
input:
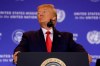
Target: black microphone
x,y
50,24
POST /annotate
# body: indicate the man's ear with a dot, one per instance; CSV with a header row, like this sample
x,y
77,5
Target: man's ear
x,y
54,19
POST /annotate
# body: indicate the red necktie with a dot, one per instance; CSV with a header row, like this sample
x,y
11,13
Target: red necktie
x,y
48,42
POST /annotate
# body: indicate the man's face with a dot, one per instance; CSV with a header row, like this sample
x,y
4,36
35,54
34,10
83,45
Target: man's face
x,y
44,15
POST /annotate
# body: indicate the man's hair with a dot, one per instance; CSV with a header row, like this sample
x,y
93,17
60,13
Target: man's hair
x,y
49,6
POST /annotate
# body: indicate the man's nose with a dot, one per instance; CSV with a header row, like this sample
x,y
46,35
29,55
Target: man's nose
x,y
41,14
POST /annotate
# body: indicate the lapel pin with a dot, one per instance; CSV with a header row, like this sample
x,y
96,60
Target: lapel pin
x,y
59,35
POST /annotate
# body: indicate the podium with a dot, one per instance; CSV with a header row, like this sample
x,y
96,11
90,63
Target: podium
x,y
52,59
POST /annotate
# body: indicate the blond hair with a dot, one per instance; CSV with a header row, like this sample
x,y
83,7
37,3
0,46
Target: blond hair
x,y
49,6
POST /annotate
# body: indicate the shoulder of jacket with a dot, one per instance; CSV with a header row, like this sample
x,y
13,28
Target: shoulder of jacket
x,y
66,33
29,32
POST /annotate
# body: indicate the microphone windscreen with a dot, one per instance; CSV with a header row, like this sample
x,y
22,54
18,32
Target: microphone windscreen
x,y
50,24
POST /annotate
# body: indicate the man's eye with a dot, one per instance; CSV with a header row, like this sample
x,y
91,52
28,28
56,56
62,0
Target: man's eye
x,y
44,11
38,13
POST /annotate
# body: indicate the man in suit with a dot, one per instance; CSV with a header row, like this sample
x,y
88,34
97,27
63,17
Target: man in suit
x,y
47,39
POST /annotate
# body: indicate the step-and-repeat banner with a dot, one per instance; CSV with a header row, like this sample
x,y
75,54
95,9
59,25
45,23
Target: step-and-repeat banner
x,y
80,17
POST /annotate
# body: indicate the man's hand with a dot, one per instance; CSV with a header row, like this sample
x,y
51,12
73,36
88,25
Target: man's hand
x,y
89,58
15,57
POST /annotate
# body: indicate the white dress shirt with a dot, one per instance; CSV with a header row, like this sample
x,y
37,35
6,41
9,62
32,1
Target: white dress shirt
x,y
51,33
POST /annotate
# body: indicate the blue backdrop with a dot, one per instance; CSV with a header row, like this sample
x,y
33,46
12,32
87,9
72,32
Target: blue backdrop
x,y
80,17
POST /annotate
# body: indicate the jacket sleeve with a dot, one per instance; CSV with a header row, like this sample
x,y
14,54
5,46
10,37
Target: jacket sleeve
x,y
23,45
73,46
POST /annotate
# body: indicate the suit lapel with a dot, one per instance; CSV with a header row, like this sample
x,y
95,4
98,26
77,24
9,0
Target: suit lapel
x,y
41,41
56,40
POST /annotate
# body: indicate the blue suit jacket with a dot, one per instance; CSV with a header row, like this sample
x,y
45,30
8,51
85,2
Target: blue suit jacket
x,y
33,41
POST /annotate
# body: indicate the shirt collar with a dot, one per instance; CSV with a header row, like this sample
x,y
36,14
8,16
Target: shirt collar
x,y
44,30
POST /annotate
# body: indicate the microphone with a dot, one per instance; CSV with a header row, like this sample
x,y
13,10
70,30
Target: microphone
x,y
50,24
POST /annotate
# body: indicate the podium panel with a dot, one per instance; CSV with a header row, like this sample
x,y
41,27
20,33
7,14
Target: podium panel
x,y
52,59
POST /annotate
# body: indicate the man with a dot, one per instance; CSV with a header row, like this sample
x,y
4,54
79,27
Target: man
x,y
47,39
